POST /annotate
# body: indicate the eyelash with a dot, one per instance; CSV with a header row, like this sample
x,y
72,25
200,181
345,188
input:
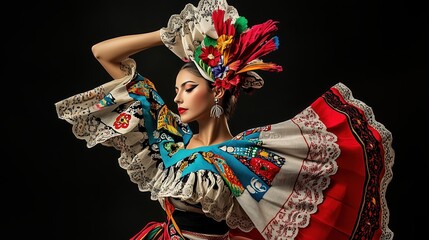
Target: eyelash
x,y
190,89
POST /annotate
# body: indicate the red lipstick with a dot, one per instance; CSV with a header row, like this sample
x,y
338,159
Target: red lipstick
x,y
182,110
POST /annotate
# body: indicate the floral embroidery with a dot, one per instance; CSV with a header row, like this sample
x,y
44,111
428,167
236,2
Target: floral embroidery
x,y
122,121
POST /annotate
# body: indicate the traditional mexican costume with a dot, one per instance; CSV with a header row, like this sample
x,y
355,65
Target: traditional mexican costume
x,y
322,173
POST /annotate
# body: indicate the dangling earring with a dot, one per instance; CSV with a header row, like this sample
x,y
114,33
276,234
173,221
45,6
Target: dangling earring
x,y
216,110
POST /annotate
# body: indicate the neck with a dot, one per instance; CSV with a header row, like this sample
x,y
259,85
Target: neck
x,y
213,131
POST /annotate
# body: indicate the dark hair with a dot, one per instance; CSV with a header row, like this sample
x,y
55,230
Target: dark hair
x,y
229,99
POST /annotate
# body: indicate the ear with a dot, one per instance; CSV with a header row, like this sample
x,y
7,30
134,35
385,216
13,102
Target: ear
x,y
218,92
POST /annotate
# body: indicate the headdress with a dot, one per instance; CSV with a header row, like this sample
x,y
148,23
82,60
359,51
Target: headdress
x,y
225,50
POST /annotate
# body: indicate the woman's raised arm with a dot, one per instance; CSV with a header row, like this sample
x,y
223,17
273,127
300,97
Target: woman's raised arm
x,y
112,51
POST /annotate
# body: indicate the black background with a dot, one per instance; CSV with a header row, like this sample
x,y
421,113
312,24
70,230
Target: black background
x,y
54,187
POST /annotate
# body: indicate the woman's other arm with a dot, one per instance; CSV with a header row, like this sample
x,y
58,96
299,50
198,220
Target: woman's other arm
x,y
111,52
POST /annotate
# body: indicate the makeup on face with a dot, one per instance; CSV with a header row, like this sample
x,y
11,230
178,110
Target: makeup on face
x,y
192,96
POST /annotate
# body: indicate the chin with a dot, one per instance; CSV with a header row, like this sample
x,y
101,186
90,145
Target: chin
x,y
185,120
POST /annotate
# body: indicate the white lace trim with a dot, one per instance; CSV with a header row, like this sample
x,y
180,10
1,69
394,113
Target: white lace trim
x,y
313,178
202,187
389,154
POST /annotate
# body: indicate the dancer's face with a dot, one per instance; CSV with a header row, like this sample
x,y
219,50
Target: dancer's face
x,y
194,97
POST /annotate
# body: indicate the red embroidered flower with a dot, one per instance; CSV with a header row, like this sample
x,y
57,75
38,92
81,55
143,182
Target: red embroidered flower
x,y
122,121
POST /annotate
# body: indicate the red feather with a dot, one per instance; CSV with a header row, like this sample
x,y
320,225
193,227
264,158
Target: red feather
x,y
255,38
222,26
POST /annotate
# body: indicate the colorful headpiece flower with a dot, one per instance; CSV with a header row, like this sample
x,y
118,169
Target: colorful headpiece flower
x,y
231,59
226,51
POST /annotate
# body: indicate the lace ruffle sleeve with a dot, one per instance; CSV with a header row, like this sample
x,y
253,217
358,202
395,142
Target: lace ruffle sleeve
x,y
129,115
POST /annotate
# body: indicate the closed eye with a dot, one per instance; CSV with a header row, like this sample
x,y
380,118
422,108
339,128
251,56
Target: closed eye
x,y
190,88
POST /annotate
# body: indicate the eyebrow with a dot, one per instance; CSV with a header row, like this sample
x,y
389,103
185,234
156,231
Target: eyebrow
x,y
184,83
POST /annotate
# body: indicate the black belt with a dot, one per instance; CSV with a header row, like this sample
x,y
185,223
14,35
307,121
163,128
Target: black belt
x,y
198,222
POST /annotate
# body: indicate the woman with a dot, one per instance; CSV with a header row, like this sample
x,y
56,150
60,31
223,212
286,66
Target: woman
x,y
323,173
